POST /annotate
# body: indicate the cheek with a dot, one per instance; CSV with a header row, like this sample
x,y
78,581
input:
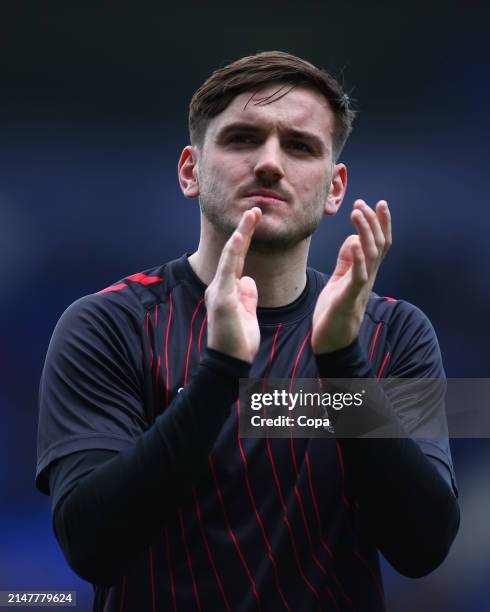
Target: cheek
x,y
231,171
306,177
311,185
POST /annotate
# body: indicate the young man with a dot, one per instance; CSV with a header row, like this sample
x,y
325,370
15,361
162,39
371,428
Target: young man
x,y
156,498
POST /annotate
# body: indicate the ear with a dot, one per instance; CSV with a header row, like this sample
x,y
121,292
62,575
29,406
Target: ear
x,y
187,169
337,189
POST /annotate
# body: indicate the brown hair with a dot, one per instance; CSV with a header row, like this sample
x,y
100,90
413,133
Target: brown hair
x,y
250,73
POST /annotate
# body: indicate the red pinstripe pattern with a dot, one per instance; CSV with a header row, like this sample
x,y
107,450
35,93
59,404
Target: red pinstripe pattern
x,y
286,521
302,347
373,575
152,577
201,331
170,571
147,322
312,493
345,500
320,530
166,350
315,506
123,594
194,492
281,496
342,473
308,537
189,562
273,349
249,488
206,544
383,365
257,515
232,535
269,367
157,385
190,340
375,340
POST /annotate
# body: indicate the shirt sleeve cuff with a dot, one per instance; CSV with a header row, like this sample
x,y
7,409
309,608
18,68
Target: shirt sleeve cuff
x,y
347,362
225,365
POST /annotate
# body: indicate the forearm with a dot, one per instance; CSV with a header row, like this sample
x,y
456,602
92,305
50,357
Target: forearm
x,y
112,513
409,507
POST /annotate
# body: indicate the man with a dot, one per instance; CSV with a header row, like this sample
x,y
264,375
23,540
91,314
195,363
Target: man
x,y
157,500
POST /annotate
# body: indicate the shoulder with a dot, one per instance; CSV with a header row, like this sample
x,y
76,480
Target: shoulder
x,y
112,313
406,335
392,312
140,289
395,313
397,336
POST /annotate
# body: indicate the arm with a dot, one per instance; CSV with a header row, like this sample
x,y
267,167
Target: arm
x,y
407,504
406,497
107,508
113,503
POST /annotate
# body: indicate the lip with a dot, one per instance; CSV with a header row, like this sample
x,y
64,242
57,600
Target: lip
x,y
265,195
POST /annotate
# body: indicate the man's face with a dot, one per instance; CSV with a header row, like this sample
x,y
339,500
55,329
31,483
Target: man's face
x,y
277,156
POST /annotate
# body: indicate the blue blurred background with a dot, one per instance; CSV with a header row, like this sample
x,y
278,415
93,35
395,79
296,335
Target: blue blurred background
x,y
92,120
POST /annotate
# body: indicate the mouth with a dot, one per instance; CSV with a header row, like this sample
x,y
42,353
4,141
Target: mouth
x,y
265,196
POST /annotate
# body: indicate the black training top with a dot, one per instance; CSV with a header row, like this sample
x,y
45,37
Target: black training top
x,y
262,523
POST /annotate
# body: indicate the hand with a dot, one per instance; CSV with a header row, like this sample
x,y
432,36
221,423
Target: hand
x,y
340,307
231,299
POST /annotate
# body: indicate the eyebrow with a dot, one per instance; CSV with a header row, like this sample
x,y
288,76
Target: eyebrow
x,y
244,126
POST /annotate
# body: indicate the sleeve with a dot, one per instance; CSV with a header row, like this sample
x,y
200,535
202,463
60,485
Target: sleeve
x,y
411,512
415,357
110,505
90,392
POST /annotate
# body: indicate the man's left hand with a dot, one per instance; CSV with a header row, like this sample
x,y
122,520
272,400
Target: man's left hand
x,y
340,307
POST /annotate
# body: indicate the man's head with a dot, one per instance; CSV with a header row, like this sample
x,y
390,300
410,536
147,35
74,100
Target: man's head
x,y
253,72
267,130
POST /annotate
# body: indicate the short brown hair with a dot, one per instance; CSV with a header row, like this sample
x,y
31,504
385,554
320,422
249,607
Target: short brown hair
x,y
251,72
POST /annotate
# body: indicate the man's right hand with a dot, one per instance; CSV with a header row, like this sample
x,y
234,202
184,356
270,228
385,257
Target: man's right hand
x,y
231,299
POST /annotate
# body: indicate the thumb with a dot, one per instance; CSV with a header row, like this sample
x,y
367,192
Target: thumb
x,y
248,294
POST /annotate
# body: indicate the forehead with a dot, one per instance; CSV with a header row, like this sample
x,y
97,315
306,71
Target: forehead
x,y
300,109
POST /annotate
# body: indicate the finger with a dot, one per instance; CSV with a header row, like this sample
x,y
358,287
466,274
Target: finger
x,y
247,231
366,238
373,220
384,216
232,258
359,270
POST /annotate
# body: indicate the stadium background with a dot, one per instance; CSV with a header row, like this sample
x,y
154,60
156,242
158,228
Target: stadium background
x,y
93,112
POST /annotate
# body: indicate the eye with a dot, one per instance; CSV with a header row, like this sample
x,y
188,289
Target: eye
x,y
302,147
242,139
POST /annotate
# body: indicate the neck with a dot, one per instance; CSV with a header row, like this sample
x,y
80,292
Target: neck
x,y
280,277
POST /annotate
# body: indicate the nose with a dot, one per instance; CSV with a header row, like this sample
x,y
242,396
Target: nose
x,y
268,165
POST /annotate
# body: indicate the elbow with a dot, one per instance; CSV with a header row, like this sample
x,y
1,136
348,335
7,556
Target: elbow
x,y
84,555
91,569
420,563
424,550
94,568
